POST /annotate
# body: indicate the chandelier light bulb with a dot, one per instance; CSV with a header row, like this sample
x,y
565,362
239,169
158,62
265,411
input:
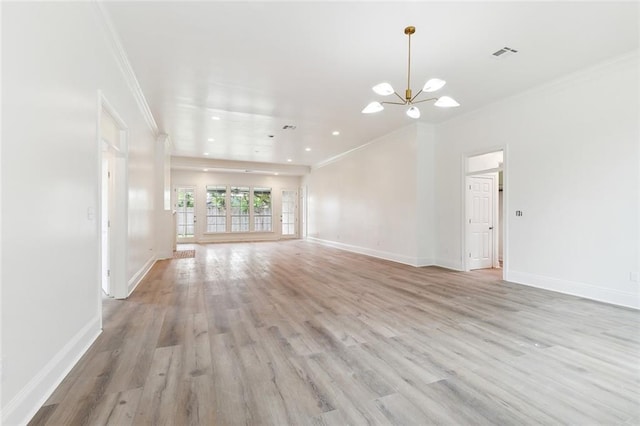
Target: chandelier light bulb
x,y
446,102
433,84
383,89
413,112
372,108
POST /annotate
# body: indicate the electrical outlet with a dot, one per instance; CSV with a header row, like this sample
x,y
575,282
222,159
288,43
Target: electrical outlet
x,y
1,370
635,277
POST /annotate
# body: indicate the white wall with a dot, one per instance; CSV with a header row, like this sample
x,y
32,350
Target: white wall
x,y
55,58
571,167
368,200
200,180
164,217
425,188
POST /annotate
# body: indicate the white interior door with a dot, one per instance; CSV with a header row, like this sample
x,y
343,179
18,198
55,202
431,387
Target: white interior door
x,y
289,216
480,227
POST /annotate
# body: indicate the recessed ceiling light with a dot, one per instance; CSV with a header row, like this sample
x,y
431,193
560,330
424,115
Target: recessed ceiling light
x,y
205,170
205,153
307,149
289,160
215,117
210,139
276,173
335,133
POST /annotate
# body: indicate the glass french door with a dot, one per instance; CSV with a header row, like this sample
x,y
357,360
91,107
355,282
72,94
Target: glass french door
x,y
185,212
289,216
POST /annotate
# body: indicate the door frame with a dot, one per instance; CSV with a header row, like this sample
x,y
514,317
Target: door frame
x,y
464,243
118,234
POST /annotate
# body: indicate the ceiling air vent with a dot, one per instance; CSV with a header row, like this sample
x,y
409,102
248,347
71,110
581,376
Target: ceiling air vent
x,y
288,127
504,52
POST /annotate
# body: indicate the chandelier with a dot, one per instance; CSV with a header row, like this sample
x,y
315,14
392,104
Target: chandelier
x,y
385,89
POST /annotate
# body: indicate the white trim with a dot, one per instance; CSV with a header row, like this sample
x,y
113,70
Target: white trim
x,y
125,66
35,393
424,261
579,289
239,237
139,276
394,257
484,172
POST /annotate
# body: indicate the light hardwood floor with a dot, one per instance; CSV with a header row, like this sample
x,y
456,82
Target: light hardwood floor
x,y
295,333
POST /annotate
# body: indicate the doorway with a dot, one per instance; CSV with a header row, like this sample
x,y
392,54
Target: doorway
x,y
289,213
113,202
185,214
483,231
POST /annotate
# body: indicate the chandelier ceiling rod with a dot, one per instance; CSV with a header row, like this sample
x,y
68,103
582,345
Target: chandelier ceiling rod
x,y
408,31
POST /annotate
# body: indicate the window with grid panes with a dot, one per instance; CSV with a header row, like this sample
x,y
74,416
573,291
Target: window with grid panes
x,y
239,209
216,209
262,214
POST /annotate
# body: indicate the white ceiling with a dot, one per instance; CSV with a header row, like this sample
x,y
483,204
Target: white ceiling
x,y
261,65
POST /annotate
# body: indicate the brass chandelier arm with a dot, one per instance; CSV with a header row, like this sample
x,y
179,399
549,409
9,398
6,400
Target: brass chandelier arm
x,y
400,97
424,100
418,94
394,103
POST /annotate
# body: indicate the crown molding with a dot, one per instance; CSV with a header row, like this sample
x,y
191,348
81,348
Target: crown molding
x,y
125,66
230,166
409,128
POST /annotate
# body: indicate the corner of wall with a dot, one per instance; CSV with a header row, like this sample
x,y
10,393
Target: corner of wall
x,y
139,276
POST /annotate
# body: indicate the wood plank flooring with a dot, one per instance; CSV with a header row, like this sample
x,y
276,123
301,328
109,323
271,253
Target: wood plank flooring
x,y
292,333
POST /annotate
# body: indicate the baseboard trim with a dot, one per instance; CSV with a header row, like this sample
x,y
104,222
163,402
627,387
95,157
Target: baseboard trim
x,y
139,276
21,409
239,239
448,264
394,257
574,288
424,261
